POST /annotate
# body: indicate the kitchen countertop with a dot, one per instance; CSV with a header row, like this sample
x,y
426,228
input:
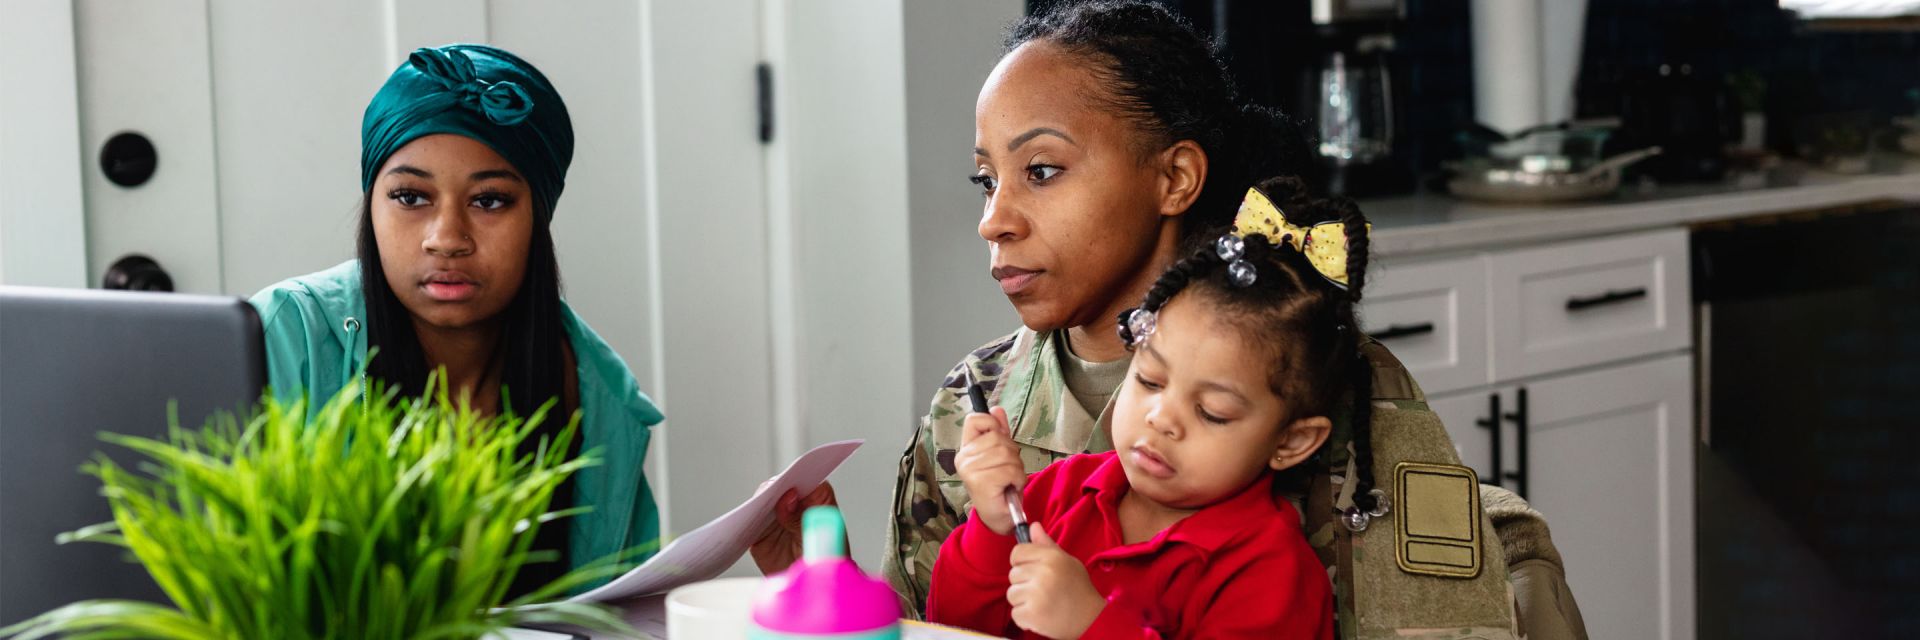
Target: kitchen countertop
x,y
1438,224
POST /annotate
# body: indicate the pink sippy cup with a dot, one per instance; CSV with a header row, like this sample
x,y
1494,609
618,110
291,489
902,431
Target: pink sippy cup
x,y
823,595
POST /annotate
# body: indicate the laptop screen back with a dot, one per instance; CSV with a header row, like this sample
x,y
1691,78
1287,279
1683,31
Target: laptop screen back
x,y
73,364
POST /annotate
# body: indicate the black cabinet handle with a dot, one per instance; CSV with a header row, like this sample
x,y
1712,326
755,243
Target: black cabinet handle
x,y
1492,421
1402,331
1610,297
1520,419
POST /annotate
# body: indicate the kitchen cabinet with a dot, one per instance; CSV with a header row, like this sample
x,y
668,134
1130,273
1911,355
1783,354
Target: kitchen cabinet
x,y
1578,304
1434,316
1580,399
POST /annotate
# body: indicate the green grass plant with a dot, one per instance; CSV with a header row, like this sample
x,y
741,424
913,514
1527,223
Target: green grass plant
x,y
380,517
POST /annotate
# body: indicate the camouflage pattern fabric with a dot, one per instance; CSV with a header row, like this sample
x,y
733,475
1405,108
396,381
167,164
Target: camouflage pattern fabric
x,y
1021,372
1374,598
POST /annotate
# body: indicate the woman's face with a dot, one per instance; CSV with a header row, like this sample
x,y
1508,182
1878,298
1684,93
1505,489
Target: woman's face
x,y
454,222
1078,220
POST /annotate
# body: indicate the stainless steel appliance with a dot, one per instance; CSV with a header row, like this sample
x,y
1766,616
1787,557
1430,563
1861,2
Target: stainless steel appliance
x,y
1355,114
1809,396
1351,98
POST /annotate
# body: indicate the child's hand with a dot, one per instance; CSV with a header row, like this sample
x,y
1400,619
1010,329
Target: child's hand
x,y
988,463
1051,593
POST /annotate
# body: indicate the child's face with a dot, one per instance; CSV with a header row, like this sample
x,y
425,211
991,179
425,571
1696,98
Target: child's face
x,y
1196,420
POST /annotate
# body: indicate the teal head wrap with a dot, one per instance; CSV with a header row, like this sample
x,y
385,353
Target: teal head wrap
x,y
479,92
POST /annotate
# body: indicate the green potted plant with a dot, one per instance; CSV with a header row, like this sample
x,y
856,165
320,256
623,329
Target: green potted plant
x,y
379,517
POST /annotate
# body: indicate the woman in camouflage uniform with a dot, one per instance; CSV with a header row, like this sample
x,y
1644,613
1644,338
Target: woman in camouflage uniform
x,y
1105,135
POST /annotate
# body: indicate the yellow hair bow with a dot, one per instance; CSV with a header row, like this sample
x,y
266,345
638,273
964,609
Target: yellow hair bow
x,y
1324,244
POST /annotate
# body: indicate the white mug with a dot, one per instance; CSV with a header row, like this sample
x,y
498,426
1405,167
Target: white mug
x,y
716,609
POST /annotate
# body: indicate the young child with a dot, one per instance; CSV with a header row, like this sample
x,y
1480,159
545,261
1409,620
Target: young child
x,y
1241,352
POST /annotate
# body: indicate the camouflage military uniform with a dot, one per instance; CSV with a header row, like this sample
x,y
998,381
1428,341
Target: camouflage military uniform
x,y
928,499
1021,372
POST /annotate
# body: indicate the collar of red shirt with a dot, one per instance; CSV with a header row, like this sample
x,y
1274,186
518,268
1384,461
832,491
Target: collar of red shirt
x,y
1209,529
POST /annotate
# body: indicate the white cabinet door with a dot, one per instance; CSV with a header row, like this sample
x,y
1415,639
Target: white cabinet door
x,y
1610,463
1465,416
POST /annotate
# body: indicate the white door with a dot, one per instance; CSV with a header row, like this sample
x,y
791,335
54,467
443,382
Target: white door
x,y
1610,464
290,81
143,70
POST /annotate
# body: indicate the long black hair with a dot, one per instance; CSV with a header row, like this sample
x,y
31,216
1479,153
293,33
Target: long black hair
x,y
532,345
1164,77
1308,325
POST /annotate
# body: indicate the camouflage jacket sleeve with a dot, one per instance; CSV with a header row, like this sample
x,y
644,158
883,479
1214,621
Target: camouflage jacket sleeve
x,y
1019,372
921,520
1546,608
928,499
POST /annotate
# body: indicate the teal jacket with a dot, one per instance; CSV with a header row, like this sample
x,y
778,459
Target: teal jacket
x,y
315,342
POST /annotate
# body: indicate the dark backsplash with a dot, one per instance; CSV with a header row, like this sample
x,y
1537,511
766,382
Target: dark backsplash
x,y
1809,73
1270,46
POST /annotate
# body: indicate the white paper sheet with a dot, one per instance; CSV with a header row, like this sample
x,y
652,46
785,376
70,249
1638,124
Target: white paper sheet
x,y
708,551
648,615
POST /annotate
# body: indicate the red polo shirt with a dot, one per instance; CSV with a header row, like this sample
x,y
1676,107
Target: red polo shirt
x,y
1237,569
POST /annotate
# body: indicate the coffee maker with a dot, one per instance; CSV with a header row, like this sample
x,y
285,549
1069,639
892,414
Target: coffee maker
x,y
1350,97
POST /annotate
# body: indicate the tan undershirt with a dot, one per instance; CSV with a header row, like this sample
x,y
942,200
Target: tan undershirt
x,y
1091,384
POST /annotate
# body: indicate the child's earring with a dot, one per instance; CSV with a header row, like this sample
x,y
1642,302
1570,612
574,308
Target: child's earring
x,y
1275,463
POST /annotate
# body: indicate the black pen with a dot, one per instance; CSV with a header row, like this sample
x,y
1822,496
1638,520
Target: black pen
x,y
1017,510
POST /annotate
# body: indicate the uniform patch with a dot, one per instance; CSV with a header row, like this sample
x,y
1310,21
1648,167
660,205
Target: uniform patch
x,y
1437,519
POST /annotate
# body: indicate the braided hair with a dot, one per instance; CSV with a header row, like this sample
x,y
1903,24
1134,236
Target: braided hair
x,y
1163,77
1308,325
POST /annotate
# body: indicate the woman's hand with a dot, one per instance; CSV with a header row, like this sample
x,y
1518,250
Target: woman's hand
x,y
989,463
780,545
1051,593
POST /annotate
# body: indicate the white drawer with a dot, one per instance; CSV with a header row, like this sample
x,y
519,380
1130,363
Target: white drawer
x,y
1580,303
1433,316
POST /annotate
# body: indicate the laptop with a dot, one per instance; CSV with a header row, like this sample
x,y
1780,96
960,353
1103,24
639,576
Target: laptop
x,y
75,363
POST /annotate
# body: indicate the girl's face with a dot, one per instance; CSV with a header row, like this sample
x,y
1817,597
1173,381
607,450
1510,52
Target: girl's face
x,y
454,223
1196,421
1077,221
